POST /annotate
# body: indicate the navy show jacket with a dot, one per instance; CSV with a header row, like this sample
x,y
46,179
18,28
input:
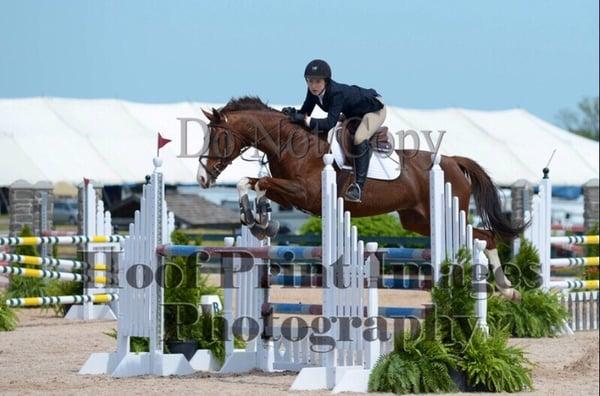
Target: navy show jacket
x,y
351,100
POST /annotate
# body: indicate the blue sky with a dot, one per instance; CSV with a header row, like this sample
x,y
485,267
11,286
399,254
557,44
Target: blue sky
x,y
538,55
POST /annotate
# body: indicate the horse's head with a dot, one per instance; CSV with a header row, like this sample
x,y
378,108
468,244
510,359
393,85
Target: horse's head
x,y
231,130
223,144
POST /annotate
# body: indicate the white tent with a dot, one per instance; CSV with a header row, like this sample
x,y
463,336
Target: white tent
x,y
113,141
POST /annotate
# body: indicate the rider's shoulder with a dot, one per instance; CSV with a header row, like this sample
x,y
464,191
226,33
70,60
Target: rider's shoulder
x,y
337,87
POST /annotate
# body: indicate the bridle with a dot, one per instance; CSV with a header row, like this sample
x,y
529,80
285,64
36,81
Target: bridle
x,y
225,161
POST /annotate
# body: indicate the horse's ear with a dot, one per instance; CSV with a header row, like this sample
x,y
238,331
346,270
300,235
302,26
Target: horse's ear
x,y
207,114
216,115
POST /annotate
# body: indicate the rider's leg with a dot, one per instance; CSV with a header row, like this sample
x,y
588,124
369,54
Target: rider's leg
x,y
361,152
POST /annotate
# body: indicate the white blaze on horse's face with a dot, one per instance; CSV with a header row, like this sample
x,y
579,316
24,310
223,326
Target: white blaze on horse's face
x,y
202,176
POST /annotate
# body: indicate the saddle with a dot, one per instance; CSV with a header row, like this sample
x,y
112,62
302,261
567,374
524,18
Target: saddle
x,y
379,142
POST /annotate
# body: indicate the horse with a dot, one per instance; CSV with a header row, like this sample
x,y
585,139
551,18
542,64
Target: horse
x,y
294,155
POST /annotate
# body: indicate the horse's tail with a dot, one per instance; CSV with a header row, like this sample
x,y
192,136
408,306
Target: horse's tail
x,y
487,200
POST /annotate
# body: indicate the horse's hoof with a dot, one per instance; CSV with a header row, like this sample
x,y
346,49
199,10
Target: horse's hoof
x,y
511,294
245,222
246,216
516,297
272,228
258,232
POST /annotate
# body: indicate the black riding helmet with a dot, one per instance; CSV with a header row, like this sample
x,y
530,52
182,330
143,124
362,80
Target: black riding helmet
x,y
318,69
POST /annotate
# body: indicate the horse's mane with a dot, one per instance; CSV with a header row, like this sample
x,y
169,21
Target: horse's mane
x,y
246,103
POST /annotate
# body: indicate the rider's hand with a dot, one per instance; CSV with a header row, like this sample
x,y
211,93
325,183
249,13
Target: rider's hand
x,y
297,118
288,110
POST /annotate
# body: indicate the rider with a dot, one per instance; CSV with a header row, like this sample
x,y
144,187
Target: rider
x,y
352,101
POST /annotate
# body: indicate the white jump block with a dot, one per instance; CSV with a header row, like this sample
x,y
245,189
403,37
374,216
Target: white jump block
x,y
347,379
94,312
203,360
137,364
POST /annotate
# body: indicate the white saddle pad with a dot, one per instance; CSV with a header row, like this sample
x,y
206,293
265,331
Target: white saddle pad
x,y
381,166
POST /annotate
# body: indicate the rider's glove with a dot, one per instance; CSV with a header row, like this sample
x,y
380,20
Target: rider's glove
x,y
297,118
288,110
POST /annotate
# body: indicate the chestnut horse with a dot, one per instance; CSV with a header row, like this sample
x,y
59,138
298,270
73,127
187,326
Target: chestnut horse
x,y
295,162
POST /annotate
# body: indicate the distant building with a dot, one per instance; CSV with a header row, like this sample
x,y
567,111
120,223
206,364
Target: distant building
x,y
226,196
191,211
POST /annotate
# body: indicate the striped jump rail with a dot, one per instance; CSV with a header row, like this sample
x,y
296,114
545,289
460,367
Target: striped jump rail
x,y
285,253
99,246
65,276
51,262
317,309
61,300
575,284
575,239
59,240
575,262
539,233
411,282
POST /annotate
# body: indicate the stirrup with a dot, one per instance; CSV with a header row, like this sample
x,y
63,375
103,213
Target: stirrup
x,y
350,198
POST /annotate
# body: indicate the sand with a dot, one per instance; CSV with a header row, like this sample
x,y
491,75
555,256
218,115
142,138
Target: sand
x,y
45,352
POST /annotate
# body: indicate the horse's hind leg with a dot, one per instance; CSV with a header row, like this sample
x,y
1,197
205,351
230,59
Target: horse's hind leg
x,y
502,282
413,221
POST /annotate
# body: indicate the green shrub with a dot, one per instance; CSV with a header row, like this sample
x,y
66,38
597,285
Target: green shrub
x,y
425,364
539,314
8,317
524,269
136,344
62,288
491,362
184,285
453,298
416,365
382,225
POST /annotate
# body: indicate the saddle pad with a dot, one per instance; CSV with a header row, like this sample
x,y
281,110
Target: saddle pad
x,y
381,166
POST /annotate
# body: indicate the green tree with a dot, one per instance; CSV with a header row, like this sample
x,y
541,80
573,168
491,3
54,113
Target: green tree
x,y
585,121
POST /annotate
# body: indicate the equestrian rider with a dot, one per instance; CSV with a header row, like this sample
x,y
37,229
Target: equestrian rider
x,y
336,98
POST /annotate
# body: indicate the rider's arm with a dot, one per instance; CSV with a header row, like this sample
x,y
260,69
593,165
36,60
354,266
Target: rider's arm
x,y
309,104
325,124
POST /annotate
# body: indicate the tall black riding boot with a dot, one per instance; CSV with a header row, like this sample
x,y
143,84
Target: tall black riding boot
x,y
362,154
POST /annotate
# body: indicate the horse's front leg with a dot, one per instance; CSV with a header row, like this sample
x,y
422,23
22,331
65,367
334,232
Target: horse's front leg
x,y
246,215
259,224
264,226
283,191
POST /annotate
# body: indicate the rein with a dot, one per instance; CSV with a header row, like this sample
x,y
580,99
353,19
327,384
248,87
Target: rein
x,y
225,161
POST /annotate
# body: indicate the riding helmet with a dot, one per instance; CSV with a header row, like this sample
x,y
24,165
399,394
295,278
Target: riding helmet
x,y
318,69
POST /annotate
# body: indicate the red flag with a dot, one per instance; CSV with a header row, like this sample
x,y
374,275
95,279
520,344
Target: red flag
x,y
161,142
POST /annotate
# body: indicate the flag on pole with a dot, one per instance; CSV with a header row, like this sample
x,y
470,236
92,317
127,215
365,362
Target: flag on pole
x,y
161,143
